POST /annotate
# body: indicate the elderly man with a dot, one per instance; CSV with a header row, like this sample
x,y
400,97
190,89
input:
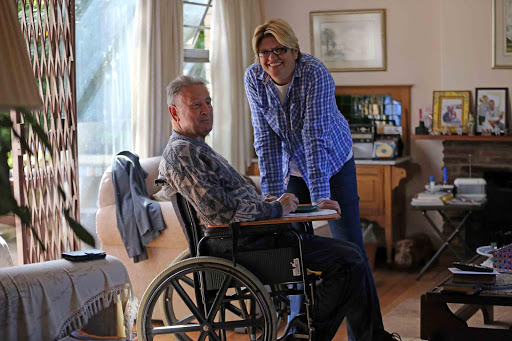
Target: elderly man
x,y
221,196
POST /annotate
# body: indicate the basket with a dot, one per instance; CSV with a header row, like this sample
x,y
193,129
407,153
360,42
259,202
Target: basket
x,y
502,259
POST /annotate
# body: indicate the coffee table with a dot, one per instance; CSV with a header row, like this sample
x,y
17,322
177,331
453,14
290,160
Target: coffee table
x,y
438,322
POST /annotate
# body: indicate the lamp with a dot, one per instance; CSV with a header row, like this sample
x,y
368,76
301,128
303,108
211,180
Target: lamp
x,y
18,88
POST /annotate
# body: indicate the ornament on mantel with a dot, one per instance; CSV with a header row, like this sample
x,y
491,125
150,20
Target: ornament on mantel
x,y
471,125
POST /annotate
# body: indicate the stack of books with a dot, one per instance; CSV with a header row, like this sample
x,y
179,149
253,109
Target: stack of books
x,y
468,282
428,198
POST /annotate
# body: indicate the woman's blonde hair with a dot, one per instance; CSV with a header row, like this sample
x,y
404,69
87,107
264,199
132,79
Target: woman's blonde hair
x,y
279,29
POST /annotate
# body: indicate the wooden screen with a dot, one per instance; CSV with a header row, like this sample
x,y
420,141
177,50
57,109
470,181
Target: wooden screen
x,y
48,27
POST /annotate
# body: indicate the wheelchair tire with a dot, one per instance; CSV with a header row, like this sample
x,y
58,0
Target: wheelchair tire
x,y
167,303
223,288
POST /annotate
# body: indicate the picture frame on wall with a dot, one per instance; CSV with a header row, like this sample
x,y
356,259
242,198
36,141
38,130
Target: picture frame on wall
x,y
502,34
350,40
450,111
491,107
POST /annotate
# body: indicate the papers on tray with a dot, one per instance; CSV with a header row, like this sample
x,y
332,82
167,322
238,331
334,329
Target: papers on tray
x,y
320,212
431,198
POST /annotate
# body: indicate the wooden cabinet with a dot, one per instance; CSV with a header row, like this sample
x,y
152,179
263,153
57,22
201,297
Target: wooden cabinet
x,y
382,198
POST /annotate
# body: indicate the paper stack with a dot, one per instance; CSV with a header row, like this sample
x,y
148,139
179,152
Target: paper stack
x,y
428,198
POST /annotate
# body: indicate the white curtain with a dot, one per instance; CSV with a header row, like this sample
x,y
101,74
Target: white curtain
x,y
158,59
233,24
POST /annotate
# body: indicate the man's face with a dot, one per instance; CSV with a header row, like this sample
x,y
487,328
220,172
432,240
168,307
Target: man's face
x,y
193,112
281,67
491,104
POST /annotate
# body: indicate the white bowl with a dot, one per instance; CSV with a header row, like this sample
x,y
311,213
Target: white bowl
x,y
485,250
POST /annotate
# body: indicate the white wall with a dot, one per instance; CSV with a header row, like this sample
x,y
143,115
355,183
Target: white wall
x,y
431,44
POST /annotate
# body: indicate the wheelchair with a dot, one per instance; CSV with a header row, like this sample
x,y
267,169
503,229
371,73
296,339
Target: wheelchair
x,y
231,291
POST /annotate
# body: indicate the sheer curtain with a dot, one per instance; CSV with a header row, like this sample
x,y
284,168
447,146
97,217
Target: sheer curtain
x,y
158,59
104,32
233,24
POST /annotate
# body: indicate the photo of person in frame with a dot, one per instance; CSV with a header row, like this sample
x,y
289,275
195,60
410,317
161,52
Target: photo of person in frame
x,y
491,106
452,111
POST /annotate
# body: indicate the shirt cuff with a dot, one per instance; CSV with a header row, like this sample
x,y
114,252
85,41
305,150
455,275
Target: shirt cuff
x,y
277,209
316,202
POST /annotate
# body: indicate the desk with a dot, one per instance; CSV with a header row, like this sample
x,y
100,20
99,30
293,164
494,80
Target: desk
x,y
439,323
467,209
49,300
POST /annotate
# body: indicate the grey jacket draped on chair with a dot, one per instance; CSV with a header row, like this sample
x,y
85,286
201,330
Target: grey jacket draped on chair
x,y
139,219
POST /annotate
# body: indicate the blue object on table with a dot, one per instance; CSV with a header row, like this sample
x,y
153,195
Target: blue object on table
x,y
445,175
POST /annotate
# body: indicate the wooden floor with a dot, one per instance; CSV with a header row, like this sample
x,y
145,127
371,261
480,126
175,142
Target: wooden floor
x,y
394,287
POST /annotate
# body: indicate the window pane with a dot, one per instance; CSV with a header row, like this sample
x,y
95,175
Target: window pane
x,y
103,36
189,34
200,70
196,15
193,14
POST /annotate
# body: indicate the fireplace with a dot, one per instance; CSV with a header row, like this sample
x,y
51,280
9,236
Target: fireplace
x,y
493,162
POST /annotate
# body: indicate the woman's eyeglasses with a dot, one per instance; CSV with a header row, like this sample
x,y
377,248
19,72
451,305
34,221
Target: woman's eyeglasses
x,y
277,51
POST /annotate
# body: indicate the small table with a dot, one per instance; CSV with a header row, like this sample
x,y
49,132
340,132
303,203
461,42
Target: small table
x,y
468,209
439,323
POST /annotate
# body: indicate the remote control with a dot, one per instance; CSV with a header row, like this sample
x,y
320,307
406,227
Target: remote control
x,y
472,267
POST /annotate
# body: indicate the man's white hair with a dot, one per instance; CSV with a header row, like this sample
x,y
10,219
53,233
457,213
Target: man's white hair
x,y
176,86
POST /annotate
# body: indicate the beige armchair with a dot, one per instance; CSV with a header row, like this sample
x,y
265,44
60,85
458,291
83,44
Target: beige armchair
x,y
161,251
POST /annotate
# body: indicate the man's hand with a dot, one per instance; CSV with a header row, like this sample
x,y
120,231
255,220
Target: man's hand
x,y
329,204
289,202
270,198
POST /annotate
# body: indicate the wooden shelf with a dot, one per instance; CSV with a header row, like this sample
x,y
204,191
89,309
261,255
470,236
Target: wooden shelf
x,y
462,138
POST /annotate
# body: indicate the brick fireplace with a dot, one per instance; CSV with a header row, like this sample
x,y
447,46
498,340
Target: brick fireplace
x,y
493,162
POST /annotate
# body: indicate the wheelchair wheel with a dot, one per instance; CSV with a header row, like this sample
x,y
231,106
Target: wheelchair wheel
x,y
217,298
170,301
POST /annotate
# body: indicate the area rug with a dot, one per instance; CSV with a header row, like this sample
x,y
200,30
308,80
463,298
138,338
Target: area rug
x,y
405,318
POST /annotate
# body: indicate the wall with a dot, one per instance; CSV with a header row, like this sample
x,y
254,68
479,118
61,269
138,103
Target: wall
x,y
433,45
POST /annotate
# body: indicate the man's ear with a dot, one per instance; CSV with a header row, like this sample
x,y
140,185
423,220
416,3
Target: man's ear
x,y
173,110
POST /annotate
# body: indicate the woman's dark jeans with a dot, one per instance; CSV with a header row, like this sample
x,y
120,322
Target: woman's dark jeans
x,y
344,190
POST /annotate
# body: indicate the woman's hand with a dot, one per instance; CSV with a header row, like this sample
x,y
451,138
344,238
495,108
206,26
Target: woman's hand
x,y
330,204
270,198
289,202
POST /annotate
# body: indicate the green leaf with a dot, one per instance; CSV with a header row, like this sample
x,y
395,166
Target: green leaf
x,y
36,126
79,230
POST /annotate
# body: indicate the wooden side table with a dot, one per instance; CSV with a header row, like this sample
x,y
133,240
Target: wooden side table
x,y
467,209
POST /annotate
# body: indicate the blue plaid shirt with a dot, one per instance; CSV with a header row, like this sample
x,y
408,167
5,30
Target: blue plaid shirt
x,y
308,126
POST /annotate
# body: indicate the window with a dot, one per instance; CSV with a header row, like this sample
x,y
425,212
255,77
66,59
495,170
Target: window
x,y
196,38
103,80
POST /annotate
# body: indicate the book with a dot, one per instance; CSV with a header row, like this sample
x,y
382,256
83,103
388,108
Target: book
x,y
460,288
461,276
85,255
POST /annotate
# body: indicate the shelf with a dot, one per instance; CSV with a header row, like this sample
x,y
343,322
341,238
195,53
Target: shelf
x,y
463,138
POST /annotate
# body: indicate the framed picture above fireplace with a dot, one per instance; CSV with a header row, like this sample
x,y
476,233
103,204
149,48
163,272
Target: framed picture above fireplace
x,y
491,107
502,34
450,111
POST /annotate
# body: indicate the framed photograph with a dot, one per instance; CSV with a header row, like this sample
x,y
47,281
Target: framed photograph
x,y
352,40
450,110
502,34
491,110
